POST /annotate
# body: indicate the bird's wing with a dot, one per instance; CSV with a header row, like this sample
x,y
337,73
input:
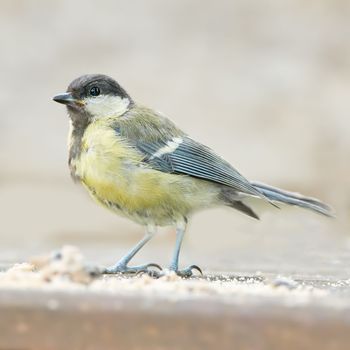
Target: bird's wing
x,y
165,148
183,155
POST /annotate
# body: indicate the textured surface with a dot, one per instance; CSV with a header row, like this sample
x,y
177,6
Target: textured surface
x,y
54,303
77,320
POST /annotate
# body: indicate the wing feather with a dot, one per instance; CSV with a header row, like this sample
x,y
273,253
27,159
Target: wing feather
x,y
194,159
166,148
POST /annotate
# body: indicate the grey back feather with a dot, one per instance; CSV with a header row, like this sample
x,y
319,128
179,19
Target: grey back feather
x,y
194,159
149,132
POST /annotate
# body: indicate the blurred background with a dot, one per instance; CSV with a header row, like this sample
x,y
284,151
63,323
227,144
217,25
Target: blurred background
x,y
264,83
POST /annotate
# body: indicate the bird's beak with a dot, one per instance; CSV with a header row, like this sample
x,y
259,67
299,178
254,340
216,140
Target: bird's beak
x,y
67,99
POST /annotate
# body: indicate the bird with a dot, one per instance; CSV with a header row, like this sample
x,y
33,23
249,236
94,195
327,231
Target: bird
x,y
137,163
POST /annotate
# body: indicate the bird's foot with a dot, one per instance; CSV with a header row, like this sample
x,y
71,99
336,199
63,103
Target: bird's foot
x,y
122,268
187,272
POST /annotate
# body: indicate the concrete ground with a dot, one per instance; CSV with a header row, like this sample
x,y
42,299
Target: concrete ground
x,y
314,316
54,302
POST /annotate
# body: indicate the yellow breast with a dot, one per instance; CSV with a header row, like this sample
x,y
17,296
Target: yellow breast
x,y
115,176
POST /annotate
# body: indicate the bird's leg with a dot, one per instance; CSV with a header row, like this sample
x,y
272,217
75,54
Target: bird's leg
x,y
174,265
122,265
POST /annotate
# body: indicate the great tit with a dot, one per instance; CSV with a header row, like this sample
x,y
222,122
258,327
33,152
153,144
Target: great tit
x,y
137,163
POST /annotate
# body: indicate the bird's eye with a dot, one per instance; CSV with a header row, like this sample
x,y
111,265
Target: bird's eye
x,y
95,91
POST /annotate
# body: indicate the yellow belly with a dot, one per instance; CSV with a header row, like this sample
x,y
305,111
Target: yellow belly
x,y
115,177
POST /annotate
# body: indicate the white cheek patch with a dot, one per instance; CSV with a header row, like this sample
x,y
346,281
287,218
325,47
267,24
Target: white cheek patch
x,y
170,147
106,106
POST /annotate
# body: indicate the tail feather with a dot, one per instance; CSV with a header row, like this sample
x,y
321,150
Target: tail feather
x,y
244,209
282,196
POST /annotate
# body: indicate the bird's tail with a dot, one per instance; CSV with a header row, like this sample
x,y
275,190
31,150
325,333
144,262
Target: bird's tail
x,y
282,196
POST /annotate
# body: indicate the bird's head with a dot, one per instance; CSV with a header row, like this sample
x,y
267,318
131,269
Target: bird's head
x,y
94,96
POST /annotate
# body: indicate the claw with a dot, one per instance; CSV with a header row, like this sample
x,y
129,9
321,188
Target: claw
x,y
188,272
150,272
155,265
124,269
196,267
